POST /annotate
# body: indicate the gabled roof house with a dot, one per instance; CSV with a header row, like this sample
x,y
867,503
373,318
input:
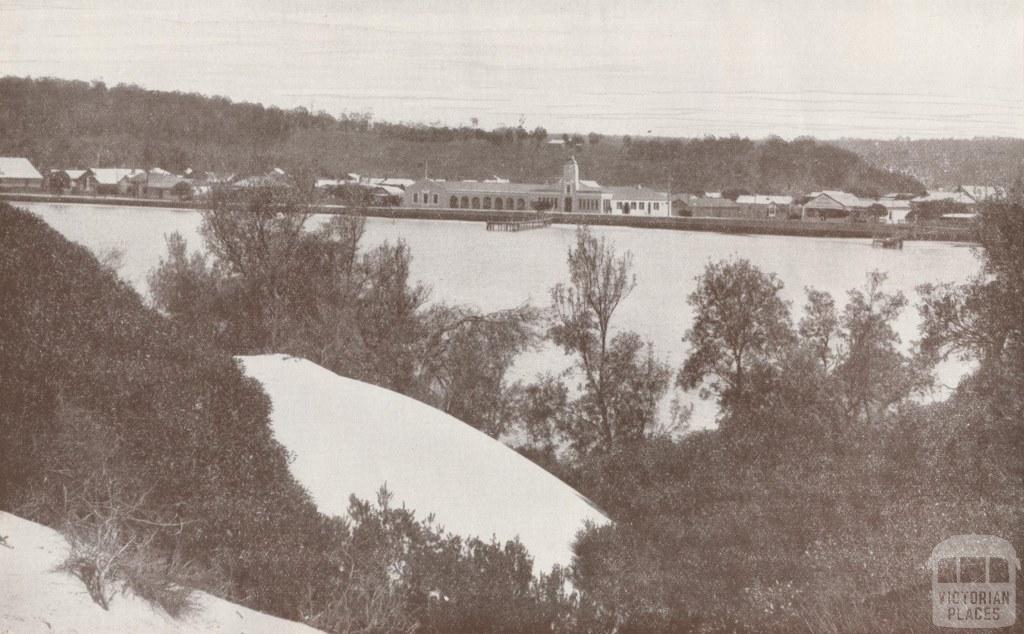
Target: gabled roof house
x,y
17,172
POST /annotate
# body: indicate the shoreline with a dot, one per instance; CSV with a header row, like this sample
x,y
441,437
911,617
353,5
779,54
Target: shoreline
x,y
796,228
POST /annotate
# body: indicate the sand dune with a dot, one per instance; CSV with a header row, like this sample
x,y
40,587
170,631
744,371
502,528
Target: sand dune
x,y
351,437
34,597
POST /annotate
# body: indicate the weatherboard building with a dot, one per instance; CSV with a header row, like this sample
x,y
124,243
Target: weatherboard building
x,y
567,194
18,173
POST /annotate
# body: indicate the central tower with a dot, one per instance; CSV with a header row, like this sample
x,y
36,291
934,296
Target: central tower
x,y
570,183
571,173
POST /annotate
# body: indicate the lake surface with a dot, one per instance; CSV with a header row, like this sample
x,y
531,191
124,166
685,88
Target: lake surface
x,y
465,264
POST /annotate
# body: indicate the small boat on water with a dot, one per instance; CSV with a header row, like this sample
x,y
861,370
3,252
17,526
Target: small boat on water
x,y
892,242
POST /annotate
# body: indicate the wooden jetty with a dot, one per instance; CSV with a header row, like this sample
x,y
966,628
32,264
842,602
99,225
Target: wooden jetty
x,y
518,225
891,242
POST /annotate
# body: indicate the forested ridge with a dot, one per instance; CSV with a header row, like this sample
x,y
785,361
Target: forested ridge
x,y
61,124
945,163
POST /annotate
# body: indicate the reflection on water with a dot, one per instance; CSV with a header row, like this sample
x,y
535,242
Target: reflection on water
x,y
463,263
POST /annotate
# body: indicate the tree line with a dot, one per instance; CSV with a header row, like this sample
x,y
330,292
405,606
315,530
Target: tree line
x,y
64,124
945,163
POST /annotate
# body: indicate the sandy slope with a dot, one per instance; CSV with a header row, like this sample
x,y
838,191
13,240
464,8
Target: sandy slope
x,y
36,598
351,437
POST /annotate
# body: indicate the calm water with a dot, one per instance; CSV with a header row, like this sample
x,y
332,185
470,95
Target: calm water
x,y
465,264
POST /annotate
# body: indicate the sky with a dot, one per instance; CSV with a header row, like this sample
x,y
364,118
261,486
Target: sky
x,y
863,68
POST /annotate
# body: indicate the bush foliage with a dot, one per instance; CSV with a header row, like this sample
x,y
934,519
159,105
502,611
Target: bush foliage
x,y
816,502
155,454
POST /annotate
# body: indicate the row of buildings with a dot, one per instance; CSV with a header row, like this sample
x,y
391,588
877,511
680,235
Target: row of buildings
x,y
956,205
138,183
569,193
156,183
355,188
18,173
835,205
713,205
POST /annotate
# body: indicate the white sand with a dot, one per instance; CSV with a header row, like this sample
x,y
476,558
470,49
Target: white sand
x,y
351,437
34,597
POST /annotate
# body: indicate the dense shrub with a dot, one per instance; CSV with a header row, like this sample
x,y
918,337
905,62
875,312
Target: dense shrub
x,y
101,392
816,503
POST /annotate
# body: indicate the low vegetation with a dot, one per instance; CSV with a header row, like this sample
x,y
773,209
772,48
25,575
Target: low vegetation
x,y
109,550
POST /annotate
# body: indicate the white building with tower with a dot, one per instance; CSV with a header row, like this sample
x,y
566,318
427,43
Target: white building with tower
x,y
569,194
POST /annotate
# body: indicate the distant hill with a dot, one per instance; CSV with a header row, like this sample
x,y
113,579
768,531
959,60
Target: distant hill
x,y
60,123
945,163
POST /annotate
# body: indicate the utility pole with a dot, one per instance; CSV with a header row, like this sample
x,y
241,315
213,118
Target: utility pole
x,y
671,211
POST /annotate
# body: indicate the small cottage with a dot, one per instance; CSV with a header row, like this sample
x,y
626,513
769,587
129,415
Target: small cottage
x,y
18,173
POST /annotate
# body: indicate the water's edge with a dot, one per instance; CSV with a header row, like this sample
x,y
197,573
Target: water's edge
x,y
797,228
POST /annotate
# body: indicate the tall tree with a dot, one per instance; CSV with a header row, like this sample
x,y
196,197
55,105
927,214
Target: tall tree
x,y
599,280
740,322
387,313
267,283
466,356
622,381
872,372
819,325
260,251
983,318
